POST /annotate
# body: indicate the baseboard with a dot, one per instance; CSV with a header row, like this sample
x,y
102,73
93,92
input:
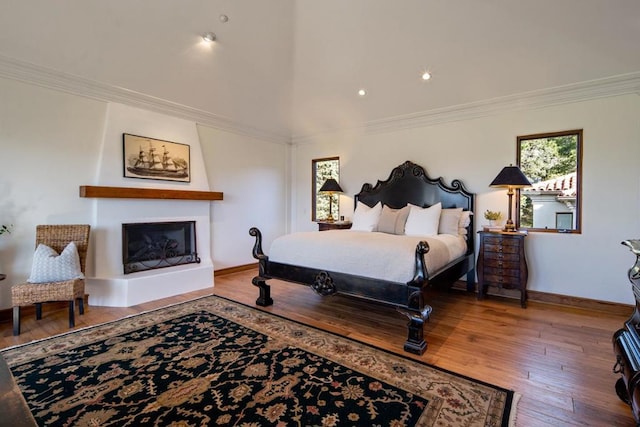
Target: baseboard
x,y
236,269
586,303
614,308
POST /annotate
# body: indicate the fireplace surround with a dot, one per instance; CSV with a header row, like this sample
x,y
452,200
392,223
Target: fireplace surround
x,y
118,200
152,245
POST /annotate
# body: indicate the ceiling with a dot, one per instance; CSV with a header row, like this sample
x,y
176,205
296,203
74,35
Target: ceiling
x,y
293,67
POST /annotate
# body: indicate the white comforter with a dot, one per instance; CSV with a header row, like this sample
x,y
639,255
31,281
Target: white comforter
x,y
368,254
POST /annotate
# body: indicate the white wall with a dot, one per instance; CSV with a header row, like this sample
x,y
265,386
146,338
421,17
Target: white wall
x,y
590,265
253,175
51,144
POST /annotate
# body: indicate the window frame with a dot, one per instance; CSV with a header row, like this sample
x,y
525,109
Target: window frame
x,y
314,187
578,202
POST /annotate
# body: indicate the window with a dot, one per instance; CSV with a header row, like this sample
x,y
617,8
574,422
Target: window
x,y
321,170
553,164
564,220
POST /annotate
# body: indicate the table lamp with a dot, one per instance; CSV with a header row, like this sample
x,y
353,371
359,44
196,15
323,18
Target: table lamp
x,y
330,187
510,177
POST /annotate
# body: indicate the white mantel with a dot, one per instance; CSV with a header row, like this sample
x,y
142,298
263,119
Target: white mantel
x,y
106,283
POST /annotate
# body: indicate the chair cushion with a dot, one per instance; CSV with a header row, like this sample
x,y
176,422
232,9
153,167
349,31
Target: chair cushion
x,y
48,266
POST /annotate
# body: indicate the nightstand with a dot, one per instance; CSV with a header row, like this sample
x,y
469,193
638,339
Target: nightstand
x,y
337,225
502,263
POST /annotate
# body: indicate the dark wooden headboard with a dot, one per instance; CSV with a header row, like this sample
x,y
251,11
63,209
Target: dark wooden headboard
x,y
409,183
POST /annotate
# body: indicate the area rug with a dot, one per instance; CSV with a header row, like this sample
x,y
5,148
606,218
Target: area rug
x,y
212,361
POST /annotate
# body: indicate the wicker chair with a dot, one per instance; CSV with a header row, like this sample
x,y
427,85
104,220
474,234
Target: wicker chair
x,y
57,237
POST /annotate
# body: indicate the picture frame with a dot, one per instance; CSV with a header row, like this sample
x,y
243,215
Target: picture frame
x,y
150,158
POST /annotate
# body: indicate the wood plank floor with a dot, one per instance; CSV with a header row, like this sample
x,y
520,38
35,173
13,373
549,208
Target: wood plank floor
x,y
558,358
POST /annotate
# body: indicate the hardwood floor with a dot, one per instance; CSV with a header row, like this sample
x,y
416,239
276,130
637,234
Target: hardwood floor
x,y
558,358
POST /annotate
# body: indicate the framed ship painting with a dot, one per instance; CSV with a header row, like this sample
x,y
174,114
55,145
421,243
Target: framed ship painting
x,y
149,158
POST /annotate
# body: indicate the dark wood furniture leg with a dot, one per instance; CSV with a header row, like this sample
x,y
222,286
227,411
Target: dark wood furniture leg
x,y
72,317
416,343
16,320
264,299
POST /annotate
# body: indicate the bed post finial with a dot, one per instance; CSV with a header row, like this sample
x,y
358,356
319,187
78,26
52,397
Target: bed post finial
x,y
261,279
420,271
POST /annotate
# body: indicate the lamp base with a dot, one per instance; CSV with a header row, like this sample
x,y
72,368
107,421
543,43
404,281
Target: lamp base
x,y
509,227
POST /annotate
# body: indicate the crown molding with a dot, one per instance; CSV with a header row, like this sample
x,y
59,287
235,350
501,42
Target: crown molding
x,y
15,69
26,72
601,88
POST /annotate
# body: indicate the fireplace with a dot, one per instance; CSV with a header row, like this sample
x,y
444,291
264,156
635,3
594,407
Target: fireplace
x,y
151,245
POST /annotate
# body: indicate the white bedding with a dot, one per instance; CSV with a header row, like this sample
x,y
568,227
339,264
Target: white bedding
x,y
362,253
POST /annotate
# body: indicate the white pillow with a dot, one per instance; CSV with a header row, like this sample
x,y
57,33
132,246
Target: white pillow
x,y
366,218
48,266
449,221
423,221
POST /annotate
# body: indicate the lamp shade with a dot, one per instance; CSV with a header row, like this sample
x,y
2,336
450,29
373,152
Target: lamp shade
x,y
510,176
330,186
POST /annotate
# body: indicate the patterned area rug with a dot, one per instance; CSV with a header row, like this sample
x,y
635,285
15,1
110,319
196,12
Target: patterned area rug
x,y
215,362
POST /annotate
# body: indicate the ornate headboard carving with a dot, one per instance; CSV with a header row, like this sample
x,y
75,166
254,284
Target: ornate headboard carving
x,y
409,183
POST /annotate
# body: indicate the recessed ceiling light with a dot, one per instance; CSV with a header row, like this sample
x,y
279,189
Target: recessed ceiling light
x,y
224,18
209,37
362,92
426,75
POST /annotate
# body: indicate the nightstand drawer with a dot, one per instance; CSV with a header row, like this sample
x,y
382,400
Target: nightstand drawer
x,y
503,281
506,262
507,249
511,272
501,241
324,226
492,257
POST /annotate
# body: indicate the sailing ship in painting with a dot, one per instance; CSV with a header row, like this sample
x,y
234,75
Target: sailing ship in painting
x,y
158,163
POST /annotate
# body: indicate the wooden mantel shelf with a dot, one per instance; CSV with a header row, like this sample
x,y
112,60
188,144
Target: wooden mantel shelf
x,y
146,193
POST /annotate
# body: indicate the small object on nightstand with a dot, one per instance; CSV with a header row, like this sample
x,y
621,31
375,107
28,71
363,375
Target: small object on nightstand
x,y
502,262
336,225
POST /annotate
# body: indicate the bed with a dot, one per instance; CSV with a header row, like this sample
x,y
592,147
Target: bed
x,y
408,184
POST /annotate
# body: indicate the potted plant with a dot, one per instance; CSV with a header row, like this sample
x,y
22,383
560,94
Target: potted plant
x,y
492,216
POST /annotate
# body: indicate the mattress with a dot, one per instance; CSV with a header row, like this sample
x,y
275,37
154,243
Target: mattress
x,y
369,254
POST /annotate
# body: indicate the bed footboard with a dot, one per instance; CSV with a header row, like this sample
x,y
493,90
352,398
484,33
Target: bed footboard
x,y
406,297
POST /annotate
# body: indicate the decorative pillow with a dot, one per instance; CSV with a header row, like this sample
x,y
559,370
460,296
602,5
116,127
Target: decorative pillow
x,y
423,221
48,266
392,221
366,218
449,221
465,221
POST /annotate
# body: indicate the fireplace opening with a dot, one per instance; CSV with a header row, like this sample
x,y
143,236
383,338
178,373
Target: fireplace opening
x,y
151,245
